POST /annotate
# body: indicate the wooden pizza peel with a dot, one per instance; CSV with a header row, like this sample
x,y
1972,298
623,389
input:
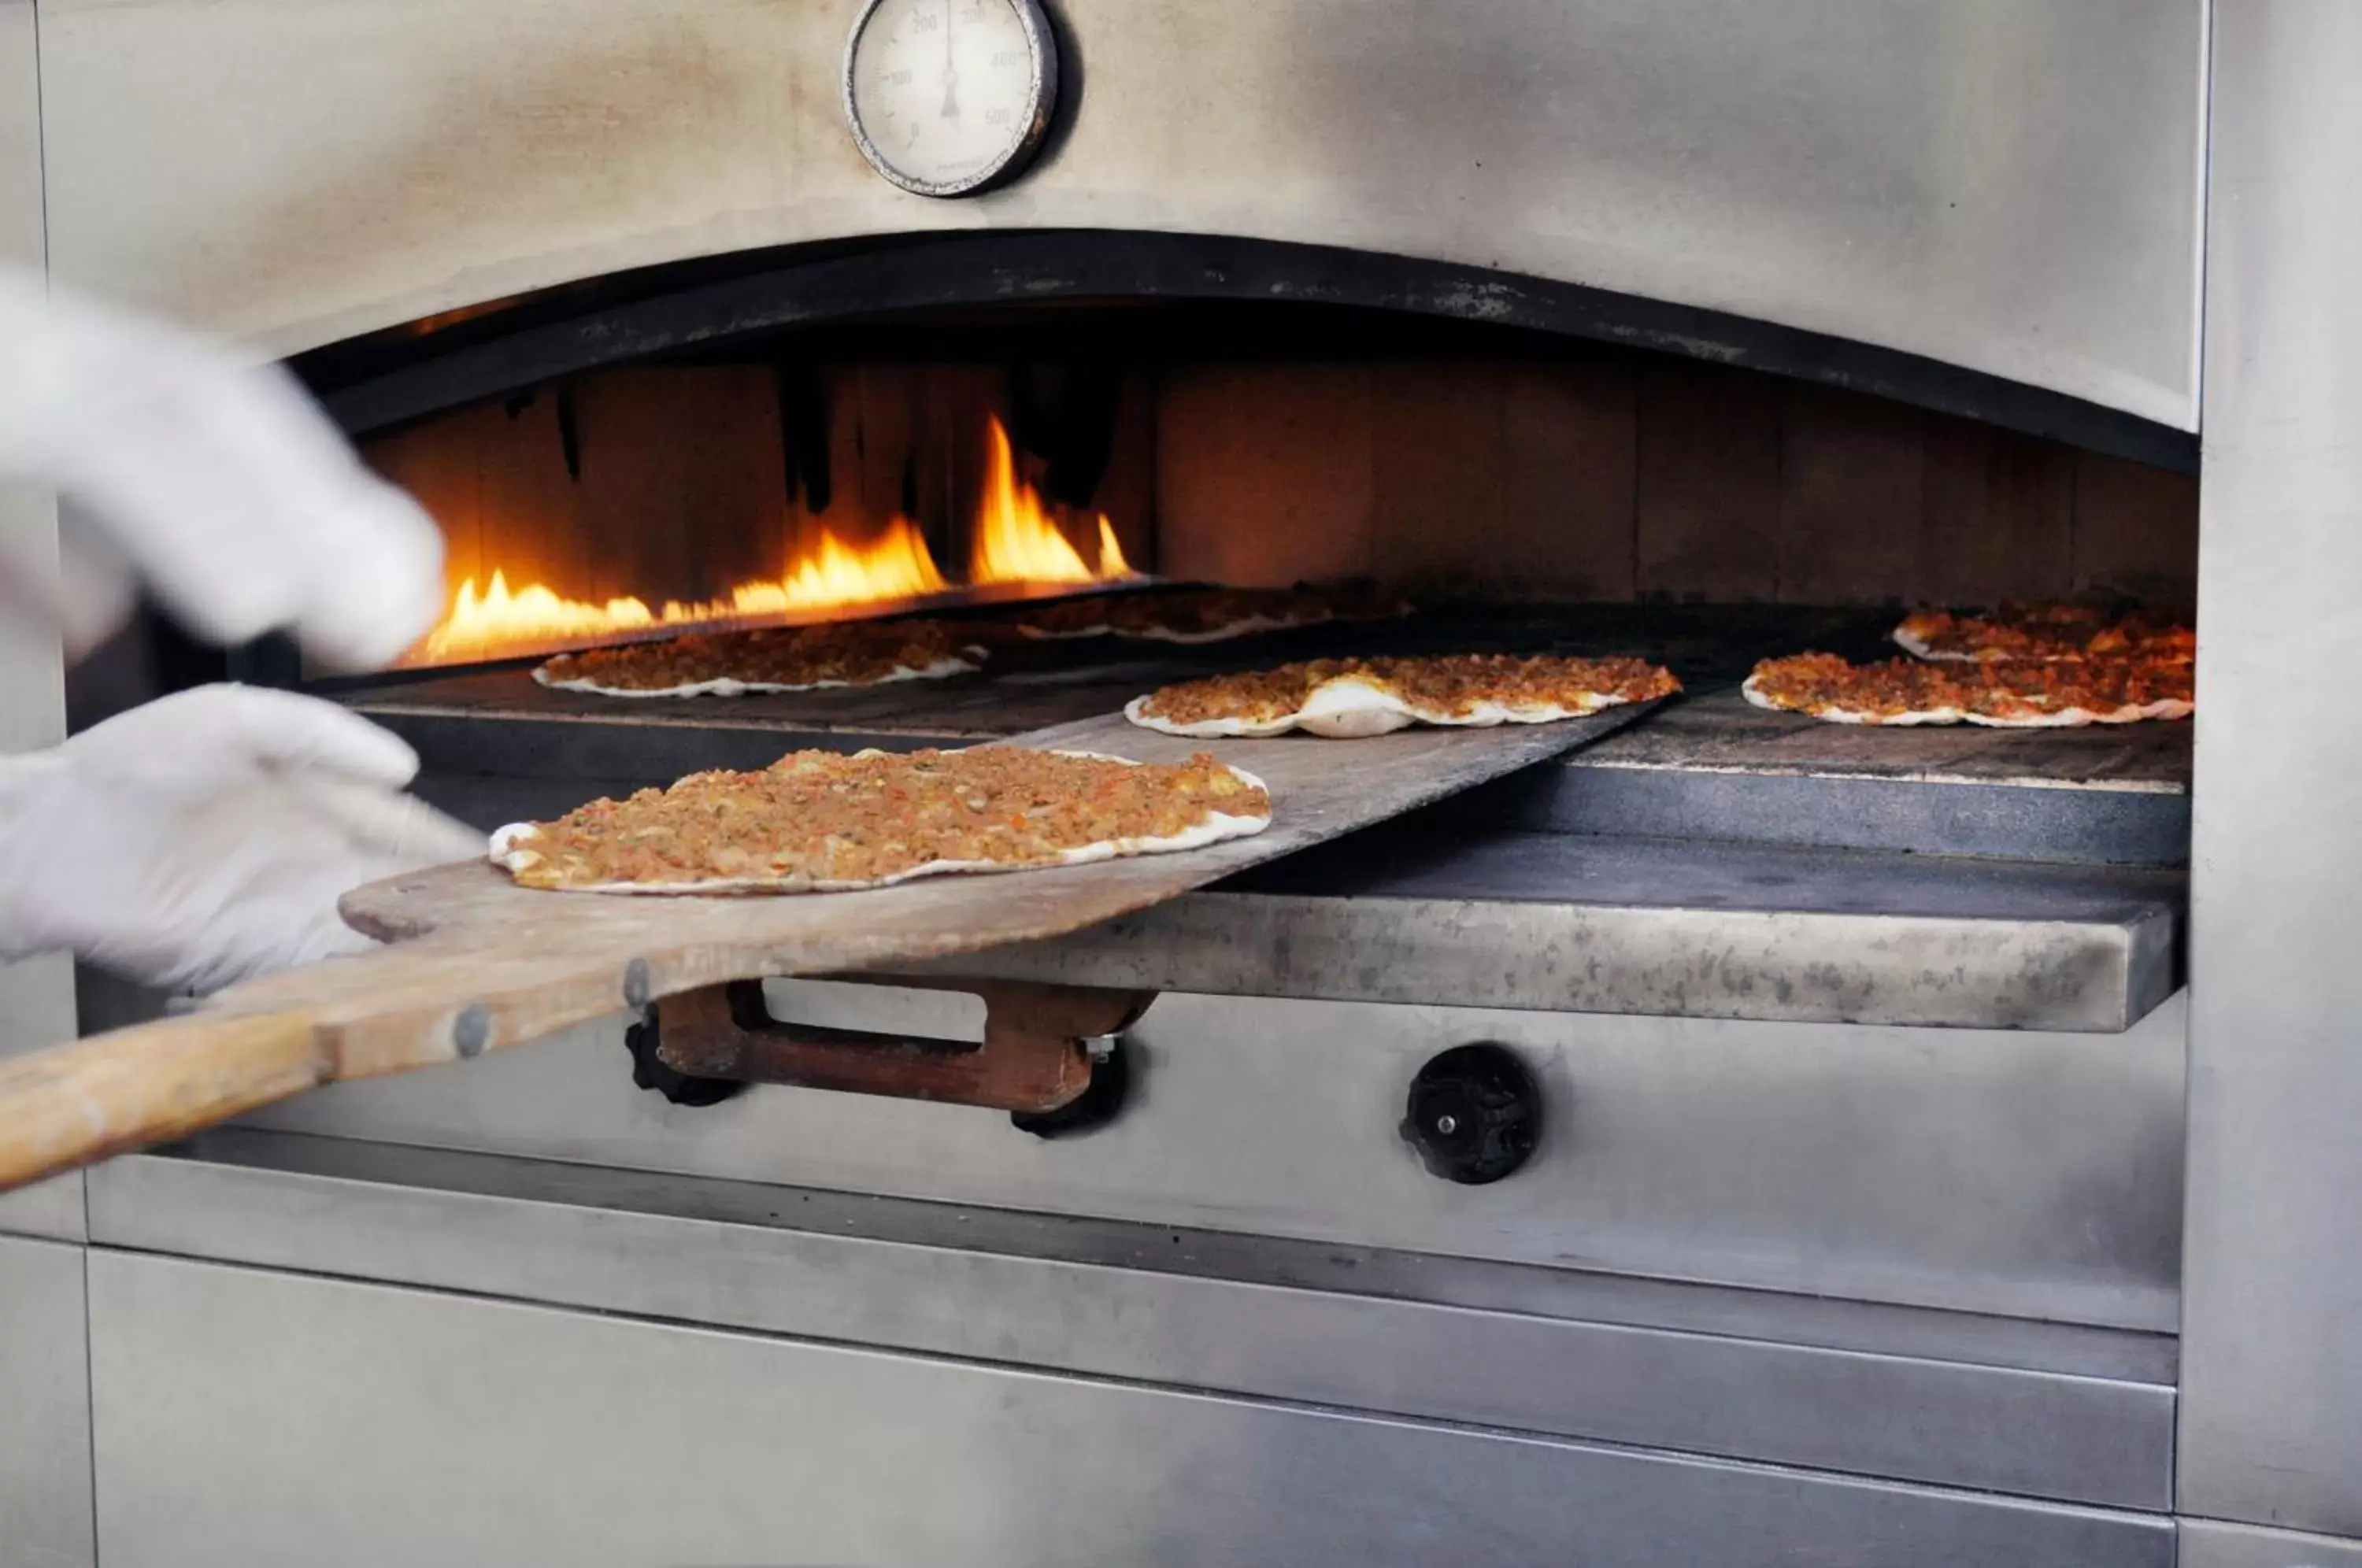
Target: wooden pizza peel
x,y
474,963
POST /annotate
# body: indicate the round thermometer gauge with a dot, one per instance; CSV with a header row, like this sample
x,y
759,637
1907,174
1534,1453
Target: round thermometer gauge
x,y
946,96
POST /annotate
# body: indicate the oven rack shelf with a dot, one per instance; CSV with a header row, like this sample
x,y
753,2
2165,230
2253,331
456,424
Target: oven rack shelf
x,y
1712,860
1707,766
1714,766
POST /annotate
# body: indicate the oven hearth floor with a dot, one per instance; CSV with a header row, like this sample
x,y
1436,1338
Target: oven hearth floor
x,y
1709,860
496,746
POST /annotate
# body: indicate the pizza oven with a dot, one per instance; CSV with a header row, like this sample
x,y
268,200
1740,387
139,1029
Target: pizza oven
x,y
1442,1003
1732,1129
1148,411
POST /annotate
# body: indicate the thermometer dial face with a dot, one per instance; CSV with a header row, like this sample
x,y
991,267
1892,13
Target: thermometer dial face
x,y
946,96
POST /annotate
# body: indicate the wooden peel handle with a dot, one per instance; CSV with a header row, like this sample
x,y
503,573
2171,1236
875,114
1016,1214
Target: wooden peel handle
x,y
72,1104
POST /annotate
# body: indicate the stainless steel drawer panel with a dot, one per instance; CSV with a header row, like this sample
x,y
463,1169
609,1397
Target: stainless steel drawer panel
x,y
36,995
2029,1174
53,1208
45,1507
463,1431
2210,1543
1914,1396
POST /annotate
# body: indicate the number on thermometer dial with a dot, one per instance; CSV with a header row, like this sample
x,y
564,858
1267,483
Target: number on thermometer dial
x,y
947,96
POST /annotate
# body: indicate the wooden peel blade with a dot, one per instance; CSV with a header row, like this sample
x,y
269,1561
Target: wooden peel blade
x,y
477,962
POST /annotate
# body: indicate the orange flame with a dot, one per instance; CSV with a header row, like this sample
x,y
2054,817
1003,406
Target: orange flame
x,y
897,566
829,574
1017,540
476,625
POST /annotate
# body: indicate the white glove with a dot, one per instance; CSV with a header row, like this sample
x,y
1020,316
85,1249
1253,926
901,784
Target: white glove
x,y
220,485
205,838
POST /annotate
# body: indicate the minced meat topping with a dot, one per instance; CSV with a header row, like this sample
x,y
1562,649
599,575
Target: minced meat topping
x,y
2097,685
1812,682
2052,632
1203,611
1450,685
851,653
825,817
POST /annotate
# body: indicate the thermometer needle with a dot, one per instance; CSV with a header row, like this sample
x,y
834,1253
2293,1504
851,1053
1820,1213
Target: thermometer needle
x,y
951,75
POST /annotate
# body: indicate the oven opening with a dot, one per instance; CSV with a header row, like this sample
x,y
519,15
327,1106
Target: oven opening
x,y
1521,490
938,460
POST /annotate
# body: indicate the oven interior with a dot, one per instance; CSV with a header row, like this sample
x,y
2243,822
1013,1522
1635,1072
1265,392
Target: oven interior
x,y
1526,491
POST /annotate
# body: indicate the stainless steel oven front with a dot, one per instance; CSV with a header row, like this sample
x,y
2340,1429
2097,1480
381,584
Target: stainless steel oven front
x,y
1861,1093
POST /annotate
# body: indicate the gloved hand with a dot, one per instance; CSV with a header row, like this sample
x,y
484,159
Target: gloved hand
x,y
220,486
205,838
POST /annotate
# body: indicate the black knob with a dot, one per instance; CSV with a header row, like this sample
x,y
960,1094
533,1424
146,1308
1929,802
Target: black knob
x,y
650,1071
1474,1114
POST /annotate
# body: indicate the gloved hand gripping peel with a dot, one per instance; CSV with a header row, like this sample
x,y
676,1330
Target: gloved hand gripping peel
x,y
205,838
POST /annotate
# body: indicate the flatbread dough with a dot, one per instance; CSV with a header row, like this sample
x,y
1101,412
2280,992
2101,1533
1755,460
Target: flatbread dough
x,y
1838,713
781,658
1196,615
824,821
730,686
2005,695
2045,633
1356,699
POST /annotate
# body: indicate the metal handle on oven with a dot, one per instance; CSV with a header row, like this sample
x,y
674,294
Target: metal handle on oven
x,y
1035,1055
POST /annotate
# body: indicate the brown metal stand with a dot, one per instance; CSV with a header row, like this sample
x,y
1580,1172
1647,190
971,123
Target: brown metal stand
x,y
1035,1054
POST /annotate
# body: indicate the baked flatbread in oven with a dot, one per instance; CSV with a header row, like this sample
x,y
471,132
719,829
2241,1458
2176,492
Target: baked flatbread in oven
x,y
1206,614
823,822
781,658
1345,699
2044,633
2040,694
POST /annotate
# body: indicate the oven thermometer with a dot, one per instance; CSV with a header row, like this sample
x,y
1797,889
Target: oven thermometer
x,y
947,96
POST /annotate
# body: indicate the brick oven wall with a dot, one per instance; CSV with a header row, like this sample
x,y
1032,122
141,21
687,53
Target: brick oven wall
x,y
1607,481
1616,483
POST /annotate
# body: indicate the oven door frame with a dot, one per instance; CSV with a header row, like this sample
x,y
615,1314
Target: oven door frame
x,y
2271,1412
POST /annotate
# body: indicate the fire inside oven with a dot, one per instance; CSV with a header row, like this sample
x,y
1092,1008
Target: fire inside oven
x,y
813,481
1525,489
640,502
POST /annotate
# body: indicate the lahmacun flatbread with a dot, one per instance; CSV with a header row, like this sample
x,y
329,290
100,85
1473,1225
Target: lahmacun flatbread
x,y
781,658
824,821
2045,633
2009,695
1347,699
1207,614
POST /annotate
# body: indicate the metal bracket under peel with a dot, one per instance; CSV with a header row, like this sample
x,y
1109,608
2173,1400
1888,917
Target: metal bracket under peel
x,y
1035,1056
